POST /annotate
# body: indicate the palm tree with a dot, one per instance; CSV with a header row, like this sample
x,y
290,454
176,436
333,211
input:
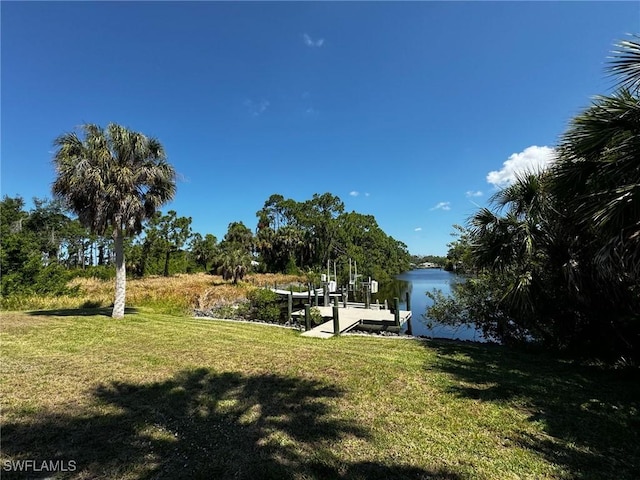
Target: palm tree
x,y
233,263
598,172
625,64
113,179
513,238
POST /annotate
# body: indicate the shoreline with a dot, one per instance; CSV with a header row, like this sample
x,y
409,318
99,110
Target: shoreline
x,y
422,338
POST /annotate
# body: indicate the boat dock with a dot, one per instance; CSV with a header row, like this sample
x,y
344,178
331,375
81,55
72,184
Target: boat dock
x,y
341,316
309,294
350,317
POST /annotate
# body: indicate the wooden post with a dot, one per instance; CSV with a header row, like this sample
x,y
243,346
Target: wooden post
x,y
335,302
408,297
409,328
325,290
336,322
345,296
290,306
396,311
367,297
309,293
315,294
307,317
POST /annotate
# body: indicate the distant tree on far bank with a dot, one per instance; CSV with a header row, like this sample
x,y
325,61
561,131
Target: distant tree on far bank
x,y
113,179
295,237
434,259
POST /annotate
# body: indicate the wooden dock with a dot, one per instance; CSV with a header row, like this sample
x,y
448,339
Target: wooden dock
x,y
311,294
349,318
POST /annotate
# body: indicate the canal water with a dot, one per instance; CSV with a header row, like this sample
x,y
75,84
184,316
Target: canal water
x,y
417,283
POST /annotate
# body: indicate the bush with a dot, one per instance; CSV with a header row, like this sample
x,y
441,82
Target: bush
x,y
52,280
101,272
34,279
263,305
316,316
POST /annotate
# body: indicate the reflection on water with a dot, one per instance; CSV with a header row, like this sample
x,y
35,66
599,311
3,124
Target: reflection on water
x,y
417,283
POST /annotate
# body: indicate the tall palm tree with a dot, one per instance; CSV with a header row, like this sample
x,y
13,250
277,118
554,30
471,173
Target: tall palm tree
x,y
113,179
598,172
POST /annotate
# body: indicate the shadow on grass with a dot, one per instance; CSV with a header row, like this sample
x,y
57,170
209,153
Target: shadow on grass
x,y
202,424
81,312
591,415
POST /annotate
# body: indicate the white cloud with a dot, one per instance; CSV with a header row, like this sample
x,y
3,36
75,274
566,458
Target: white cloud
x,y
354,193
418,229
533,158
310,42
366,194
471,194
256,108
442,206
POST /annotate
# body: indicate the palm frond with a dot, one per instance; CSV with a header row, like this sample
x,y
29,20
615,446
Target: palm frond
x,y
113,177
625,63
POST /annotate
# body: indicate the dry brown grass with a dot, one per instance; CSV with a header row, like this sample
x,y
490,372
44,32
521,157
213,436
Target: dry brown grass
x,y
176,293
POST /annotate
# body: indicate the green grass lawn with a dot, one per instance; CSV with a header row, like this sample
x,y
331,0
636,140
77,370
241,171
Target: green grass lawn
x,y
155,396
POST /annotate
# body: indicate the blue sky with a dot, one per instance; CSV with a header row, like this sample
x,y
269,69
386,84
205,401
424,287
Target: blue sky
x,y
403,110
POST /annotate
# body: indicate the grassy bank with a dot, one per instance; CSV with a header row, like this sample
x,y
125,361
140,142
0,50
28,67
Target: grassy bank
x,y
160,396
178,294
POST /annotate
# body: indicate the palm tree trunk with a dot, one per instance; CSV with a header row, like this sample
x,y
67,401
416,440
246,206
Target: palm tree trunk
x,y
121,277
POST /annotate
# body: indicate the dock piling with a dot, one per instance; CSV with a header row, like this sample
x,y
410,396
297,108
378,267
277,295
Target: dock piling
x,y
289,306
396,311
367,296
336,321
325,290
307,317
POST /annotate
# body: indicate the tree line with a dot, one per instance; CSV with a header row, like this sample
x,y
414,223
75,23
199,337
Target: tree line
x,y
556,258
45,246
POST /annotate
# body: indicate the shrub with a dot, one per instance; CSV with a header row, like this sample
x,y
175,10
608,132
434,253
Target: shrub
x,y
101,272
263,305
316,316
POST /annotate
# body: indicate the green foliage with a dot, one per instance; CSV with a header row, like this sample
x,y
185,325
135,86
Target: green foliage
x,y
307,234
113,179
559,253
160,251
263,305
459,254
101,272
315,315
233,262
291,268
204,250
539,278
28,262
91,170
435,259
